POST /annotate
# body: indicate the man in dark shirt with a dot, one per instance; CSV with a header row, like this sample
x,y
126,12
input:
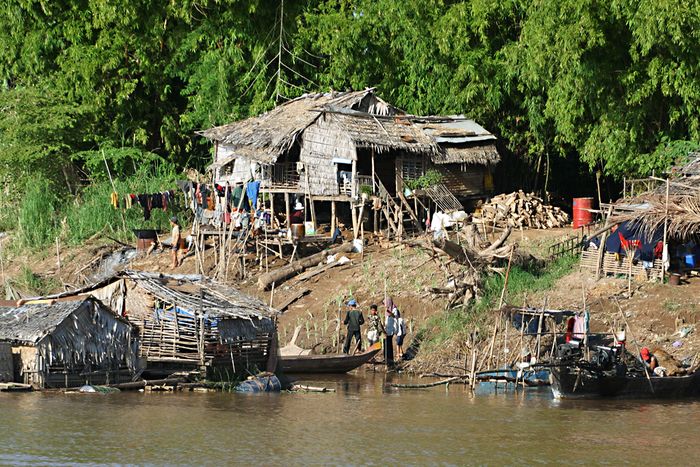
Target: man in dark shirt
x,y
353,320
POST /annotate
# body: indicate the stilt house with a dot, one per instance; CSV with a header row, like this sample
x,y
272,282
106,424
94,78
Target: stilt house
x,y
338,146
67,343
188,322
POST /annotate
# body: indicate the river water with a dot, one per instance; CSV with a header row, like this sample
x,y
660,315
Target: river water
x,y
363,422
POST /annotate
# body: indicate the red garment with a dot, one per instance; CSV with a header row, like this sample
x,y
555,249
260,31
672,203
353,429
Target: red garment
x,y
569,329
629,244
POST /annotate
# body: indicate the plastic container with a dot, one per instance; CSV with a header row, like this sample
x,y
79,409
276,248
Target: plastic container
x,y
690,260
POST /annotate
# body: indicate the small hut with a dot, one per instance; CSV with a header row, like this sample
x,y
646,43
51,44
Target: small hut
x,y
468,155
189,322
68,343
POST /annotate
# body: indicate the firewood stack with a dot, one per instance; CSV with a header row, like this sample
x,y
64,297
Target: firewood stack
x,y
520,209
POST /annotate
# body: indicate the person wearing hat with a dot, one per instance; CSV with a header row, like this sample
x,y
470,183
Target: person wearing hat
x,y
353,320
297,217
649,359
175,239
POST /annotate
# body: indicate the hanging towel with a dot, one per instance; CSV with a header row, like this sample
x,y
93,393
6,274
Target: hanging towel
x,y
252,191
114,200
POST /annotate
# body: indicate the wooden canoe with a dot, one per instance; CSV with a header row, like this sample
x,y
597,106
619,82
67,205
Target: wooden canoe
x,y
332,363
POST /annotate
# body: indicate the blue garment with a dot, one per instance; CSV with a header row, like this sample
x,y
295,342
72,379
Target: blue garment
x,y
252,190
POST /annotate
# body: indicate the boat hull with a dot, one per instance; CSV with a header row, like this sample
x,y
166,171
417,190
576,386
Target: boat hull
x,y
315,364
570,382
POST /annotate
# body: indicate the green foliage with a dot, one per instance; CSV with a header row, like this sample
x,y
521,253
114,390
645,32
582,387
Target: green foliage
x,y
38,223
430,178
605,83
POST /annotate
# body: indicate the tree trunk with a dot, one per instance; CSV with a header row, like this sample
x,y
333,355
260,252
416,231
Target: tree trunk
x,y
282,274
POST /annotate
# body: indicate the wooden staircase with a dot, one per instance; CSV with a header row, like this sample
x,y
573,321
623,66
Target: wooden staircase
x,y
398,213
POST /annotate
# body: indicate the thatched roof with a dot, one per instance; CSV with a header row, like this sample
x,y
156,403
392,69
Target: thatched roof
x,y
185,290
265,137
194,292
649,213
382,134
30,323
73,332
481,155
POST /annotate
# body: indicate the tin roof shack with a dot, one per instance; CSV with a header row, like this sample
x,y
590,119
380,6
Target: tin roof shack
x,y
68,343
468,155
189,322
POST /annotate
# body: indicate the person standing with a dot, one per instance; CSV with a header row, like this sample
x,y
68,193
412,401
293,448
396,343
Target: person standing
x,y
375,325
390,329
175,239
353,320
400,334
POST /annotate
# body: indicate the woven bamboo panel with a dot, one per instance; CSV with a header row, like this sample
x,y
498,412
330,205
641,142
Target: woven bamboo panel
x,y
613,266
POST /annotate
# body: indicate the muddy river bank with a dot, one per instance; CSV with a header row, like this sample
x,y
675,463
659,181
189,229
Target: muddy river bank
x,y
363,422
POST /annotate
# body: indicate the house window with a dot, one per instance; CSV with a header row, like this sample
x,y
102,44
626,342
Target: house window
x,y
412,168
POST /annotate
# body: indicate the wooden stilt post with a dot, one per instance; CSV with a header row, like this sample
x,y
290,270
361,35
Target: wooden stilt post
x,y
333,218
272,209
288,210
354,220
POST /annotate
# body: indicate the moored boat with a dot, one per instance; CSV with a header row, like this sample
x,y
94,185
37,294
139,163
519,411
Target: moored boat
x,y
331,363
607,375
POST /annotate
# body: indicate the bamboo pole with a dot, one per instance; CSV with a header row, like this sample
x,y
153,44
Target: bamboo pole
x,y
664,256
505,281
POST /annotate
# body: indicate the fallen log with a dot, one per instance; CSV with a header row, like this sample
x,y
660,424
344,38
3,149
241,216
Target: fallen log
x,y
280,275
143,383
428,385
283,306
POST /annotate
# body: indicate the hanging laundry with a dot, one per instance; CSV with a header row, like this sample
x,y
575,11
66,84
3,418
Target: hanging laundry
x,y
114,200
252,190
145,202
128,201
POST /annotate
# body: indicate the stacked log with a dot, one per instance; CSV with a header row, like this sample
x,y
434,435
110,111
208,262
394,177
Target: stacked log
x,y
520,209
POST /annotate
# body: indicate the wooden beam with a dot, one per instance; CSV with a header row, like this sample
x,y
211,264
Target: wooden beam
x,y
333,218
288,210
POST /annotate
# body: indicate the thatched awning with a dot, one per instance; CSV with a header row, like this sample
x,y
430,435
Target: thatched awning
x,y
481,155
649,213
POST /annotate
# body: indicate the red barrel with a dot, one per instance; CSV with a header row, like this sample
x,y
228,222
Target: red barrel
x,y
582,215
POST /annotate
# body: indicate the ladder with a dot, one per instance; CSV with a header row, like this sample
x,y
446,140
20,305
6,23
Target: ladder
x,y
443,198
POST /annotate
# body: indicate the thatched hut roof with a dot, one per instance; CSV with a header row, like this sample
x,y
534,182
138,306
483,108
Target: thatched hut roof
x,y
80,331
189,291
691,168
267,136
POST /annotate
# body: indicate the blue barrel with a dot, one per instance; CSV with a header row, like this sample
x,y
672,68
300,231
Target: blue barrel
x,y
260,384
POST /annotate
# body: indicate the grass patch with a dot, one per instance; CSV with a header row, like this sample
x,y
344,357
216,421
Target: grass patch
x,y
459,321
33,283
43,216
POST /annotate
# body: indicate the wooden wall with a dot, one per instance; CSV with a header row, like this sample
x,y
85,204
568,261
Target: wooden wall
x,y
321,143
6,367
463,179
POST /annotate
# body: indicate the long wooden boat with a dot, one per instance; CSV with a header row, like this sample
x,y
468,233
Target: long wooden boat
x,y
577,382
332,363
